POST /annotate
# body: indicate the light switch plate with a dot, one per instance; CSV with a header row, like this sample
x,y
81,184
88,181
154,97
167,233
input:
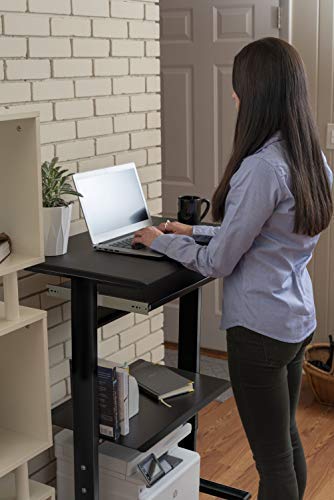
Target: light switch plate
x,y
330,136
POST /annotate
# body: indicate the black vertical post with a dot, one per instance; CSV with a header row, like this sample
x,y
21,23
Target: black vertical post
x,y
189,347
84,387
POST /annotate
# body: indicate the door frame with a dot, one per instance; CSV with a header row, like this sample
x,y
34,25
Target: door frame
x,y
286,20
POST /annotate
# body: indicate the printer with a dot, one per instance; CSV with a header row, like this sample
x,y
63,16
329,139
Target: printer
x,y
164,472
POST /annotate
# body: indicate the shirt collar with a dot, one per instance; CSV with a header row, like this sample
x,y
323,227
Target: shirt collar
x,y
274,138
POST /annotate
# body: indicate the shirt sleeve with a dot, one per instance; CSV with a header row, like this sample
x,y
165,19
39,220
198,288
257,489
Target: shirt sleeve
x,y
253,196
204,233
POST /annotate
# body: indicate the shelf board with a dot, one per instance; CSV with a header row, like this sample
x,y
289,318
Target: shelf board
x,y
17,448
28,316
38,491
16,262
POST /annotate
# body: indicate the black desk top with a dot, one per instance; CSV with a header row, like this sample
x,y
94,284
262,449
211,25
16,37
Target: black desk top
x,y
154,420
152,281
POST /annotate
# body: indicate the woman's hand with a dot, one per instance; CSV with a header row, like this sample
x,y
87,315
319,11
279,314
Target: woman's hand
x,y
146,236
176,228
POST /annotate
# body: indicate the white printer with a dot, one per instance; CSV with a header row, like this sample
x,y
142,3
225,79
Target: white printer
x,y
164,472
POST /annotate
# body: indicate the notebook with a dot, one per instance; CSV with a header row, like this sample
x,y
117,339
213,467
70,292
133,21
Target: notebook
x,y
159,381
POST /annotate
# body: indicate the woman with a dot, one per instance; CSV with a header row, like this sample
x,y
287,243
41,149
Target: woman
x,y
273,202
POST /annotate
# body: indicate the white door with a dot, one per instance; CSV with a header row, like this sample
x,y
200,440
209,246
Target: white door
x,y
199,39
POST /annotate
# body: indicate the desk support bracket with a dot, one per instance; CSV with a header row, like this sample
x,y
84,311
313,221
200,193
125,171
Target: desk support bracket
x,y
84,387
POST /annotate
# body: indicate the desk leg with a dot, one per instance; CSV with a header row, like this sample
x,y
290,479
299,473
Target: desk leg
x,y
189,347
84,387
189,359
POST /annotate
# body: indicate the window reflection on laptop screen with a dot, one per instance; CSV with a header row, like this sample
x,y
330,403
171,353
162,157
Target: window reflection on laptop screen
x,y
112,201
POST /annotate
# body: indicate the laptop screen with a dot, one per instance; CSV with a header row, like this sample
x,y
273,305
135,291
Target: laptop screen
x,y
113,202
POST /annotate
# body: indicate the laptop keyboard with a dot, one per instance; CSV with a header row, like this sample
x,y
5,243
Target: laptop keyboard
x,y
126,243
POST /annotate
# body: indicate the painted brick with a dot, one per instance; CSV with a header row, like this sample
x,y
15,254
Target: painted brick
x,y
49,47
155,206
145,102
154,155
152,12
74,150
124,355
154,190
59,334
50,6
47,152
55,132
93,87
152,49
35,283
52,89
26,24
157,321
147,356
129,122
145,139
110,28
91,47
58,392
111,67
70,26
158,354
56,355
112,105
107,347
2,71
133,334
129,85
153,120
17,6
13,47
118,326
91,8
153,84
96,162
54,317
111,144
139,157
145,66
149,174
127,48
95,126
74,109
149,342
28,69
59,372
14,92
127,10
144,29
72,67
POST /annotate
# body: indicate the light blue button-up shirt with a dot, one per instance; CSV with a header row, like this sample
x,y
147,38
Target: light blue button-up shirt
x,y
267,287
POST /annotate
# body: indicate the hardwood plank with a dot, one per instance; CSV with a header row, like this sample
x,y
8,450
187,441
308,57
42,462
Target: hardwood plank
x,y
226,457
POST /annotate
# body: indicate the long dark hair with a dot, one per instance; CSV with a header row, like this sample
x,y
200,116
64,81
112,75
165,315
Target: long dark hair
x,y
270,80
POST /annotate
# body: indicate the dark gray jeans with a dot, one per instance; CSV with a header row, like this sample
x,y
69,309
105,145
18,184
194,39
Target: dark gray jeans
x,y
266,378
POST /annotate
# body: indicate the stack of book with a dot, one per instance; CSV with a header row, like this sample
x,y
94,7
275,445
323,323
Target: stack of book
x,y
5,246
113,391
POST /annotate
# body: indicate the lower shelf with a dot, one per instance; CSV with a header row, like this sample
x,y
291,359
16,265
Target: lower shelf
x,y
16,449
38,491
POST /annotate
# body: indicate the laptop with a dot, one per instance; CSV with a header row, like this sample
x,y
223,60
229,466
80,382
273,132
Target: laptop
x,y
114,207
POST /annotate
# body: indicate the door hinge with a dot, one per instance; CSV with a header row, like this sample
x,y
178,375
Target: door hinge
x,y
279,18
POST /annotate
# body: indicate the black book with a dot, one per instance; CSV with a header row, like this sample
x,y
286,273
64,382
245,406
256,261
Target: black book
x,y
108,397
158,381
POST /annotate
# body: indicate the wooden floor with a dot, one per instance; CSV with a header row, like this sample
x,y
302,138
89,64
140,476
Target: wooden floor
x,y
226,458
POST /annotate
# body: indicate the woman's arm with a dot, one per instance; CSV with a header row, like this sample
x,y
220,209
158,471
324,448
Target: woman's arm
x,y
254,193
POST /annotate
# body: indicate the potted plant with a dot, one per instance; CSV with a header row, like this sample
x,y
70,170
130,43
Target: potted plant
x,y
57,210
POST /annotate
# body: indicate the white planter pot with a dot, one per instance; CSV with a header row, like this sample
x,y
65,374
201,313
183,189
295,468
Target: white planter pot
x,y
57,221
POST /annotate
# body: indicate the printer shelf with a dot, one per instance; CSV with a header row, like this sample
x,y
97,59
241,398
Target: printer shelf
x,y
154,420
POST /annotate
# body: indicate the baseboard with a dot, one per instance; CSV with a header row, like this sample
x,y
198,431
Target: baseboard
x,y
210,353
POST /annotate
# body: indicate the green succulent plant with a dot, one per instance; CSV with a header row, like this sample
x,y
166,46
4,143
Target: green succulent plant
x,y
55,185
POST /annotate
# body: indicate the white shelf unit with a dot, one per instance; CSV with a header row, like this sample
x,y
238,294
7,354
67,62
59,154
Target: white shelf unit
x,y
25,410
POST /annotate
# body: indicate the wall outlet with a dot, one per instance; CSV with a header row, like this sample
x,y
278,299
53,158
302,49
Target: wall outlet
x,y
330,136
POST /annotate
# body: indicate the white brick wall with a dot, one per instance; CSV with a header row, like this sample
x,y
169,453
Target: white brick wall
x,y
91,69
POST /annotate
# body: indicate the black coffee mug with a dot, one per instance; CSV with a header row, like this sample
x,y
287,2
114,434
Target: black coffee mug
x,y
190,209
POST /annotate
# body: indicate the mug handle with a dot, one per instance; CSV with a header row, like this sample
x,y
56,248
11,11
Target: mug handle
x,y
207,208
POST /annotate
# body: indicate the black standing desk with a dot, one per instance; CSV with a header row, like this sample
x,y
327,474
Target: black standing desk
x,y
139,285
